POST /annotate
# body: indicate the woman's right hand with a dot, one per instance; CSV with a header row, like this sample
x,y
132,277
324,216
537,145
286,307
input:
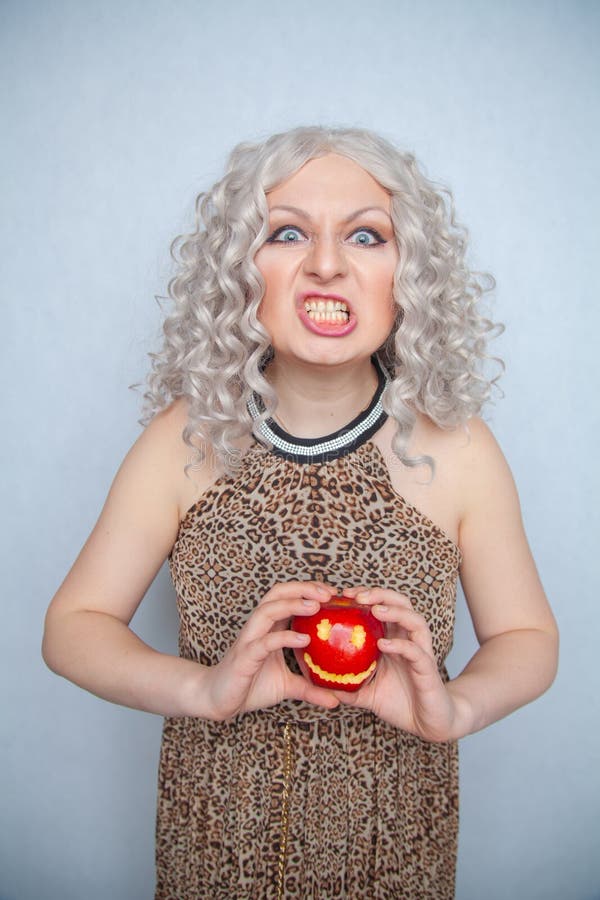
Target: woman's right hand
x,y
253,673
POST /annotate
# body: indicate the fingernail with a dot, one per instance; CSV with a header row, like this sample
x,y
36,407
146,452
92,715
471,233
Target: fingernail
x,y
363,596
381,606
323,591
313,603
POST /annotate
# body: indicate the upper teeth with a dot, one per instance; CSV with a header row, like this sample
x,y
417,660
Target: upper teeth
x,y
330,310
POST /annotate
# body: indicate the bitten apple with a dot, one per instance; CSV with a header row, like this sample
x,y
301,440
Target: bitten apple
x,y
343,651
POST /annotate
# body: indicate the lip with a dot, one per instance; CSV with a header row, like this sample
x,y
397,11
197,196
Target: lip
x,y
323,328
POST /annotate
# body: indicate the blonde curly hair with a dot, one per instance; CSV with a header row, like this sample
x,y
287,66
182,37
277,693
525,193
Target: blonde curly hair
x,y
214,347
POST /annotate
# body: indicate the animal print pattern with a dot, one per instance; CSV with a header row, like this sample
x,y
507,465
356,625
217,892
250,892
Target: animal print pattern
x,y
296,801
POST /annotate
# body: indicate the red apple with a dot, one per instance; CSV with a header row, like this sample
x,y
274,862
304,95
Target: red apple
x,y
343,650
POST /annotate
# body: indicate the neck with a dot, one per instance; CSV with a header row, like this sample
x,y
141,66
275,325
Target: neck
x,y
314,401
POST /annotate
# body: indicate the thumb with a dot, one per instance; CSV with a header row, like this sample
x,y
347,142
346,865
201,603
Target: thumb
x,y
301,689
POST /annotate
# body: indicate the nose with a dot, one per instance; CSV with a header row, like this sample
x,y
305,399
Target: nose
x,y
325,259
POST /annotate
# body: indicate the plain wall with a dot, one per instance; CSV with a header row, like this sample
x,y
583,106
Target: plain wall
x,y
115,115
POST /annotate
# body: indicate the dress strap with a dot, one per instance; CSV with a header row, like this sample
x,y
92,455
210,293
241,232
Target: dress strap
x,y
331,446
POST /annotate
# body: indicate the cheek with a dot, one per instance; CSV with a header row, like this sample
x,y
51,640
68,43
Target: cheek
x,y
264,311
379,274
270,288
271,309
384,288
385,313
388,279
274,279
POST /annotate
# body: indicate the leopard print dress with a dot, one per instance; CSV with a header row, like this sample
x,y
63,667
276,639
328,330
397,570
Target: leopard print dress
x,y
297,801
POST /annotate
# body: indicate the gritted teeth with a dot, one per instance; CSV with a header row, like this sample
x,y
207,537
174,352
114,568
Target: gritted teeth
x,y
325,305
339,318
327,310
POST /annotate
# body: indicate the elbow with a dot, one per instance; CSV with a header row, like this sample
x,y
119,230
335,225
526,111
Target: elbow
x,y
554,637
48,652
548,658
51,646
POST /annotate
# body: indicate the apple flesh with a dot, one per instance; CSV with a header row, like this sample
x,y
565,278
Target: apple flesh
x,y
343,652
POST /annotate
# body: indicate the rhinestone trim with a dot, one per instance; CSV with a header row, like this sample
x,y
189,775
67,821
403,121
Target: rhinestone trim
x,y
338,444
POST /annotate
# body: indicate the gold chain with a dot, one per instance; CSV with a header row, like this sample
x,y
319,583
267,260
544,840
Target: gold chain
x,y
285,807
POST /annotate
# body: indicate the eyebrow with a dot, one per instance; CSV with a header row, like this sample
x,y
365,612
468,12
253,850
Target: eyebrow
x,y
359,212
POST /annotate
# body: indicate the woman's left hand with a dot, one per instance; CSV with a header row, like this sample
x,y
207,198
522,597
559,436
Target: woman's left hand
x,y
407,689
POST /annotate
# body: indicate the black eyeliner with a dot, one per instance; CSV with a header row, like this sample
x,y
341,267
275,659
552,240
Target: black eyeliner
x,y
372,231
277,232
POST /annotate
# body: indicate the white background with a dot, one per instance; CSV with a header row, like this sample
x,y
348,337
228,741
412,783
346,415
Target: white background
x,y
115,115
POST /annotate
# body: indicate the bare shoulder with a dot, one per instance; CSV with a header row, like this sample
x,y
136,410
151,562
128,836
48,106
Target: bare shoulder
x,y
484,473
139,521
165,431
473,497
481,447
467,457
467,465
435,486
181,470
469,444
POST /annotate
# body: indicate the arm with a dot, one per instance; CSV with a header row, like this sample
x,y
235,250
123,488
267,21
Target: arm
x,y
517,633
514,625
87,638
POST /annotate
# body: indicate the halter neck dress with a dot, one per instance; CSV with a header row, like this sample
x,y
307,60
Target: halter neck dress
x,y
297,801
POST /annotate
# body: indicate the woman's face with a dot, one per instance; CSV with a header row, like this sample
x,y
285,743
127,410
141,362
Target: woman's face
x,y
328,264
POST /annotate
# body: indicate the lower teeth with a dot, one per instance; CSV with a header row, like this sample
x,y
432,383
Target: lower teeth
x,y
335,318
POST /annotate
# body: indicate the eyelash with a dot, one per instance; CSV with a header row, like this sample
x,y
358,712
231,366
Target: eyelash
x,y
272,239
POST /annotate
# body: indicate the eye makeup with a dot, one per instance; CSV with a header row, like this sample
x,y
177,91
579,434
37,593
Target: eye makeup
x,y
276,237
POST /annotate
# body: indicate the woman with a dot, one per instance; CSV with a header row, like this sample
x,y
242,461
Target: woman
x,y
312,430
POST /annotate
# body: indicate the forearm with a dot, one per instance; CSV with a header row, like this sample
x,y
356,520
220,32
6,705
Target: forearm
x,y
508,671
100,653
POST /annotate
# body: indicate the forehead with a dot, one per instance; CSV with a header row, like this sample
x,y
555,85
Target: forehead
x,y
331,179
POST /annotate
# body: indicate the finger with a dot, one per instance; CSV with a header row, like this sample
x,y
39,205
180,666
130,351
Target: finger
x,y
274,615
244,660
278,640
372,596
405,622
363,698
301,689
353,591
352,698
311,590
421,662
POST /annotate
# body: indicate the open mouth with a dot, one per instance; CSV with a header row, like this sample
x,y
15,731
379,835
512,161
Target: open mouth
x,y
331,311
348,678
329,316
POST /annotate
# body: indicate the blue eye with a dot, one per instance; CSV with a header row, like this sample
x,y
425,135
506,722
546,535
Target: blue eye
x,y
287,234
366,237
